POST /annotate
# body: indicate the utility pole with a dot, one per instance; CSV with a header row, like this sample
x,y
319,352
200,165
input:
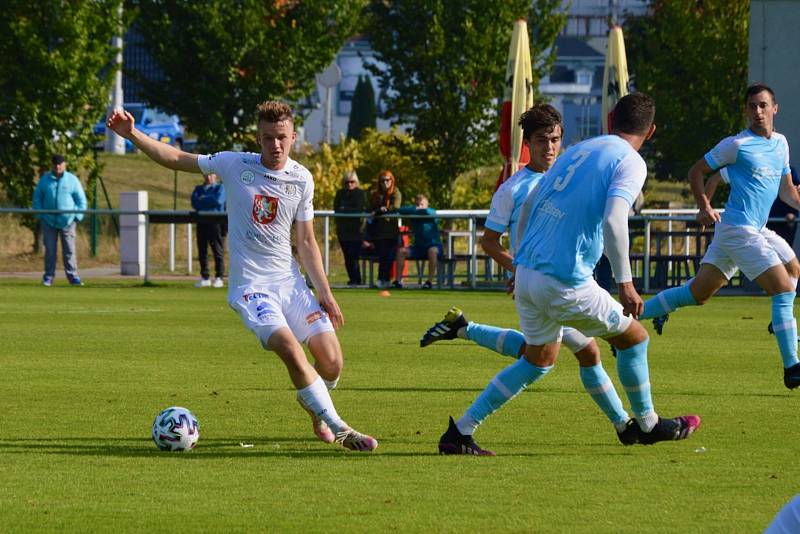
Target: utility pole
x,y
114,143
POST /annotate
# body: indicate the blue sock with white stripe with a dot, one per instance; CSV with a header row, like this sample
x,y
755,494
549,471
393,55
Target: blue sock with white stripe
x,y
785,326
635,378
500,340
599,386
504,386
668,301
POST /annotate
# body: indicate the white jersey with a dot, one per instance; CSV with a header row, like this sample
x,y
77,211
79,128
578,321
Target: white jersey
x,y
507,204
262,206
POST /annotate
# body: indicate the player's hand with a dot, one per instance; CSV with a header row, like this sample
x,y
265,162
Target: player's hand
x,y
331,307
121,122
632,304
510,285
707,216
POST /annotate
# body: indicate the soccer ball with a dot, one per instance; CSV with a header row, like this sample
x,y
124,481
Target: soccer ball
x,y
176,429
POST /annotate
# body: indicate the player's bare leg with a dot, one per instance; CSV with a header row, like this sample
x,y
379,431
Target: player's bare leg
x,y
312,394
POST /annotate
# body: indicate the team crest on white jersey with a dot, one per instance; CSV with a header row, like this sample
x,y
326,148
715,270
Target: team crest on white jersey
x,y
247,177
290,189
265,209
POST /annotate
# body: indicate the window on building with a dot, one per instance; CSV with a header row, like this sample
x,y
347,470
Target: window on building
x,y
346,89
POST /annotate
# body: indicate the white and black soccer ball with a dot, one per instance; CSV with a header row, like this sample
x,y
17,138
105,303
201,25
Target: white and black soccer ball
x,y
176,429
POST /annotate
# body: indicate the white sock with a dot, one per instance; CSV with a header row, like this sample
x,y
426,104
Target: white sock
x,y
620,427
331,384
647,421
467,425
462,333
316,398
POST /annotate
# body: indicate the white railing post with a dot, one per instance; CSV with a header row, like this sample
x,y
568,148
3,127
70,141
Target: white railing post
x,y
172,247
327,248
473,260
646,255
189,248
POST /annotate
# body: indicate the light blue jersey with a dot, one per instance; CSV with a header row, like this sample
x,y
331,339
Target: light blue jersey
x,y
507,202
754,166
564,236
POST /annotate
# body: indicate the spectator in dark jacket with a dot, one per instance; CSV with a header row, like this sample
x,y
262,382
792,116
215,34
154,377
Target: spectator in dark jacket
x,y
350,230
210,196
383,232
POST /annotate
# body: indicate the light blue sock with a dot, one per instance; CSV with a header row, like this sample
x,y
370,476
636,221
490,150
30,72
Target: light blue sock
x,y
785,326
635,377
500,340
599,386
668,301
503,387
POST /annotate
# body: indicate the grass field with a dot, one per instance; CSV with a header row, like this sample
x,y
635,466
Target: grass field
x,y
85,370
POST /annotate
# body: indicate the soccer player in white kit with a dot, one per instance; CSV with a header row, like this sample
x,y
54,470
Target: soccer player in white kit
x,y
579,208
268,193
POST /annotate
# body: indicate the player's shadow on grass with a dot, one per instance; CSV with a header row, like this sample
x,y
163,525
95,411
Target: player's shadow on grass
x,y
275,447
207,449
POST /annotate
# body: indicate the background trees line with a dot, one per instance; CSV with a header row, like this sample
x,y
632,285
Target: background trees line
x,y
445,62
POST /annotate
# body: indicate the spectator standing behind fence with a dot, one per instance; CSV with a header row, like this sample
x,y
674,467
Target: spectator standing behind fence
x,y
210,196
383,232
350,230
427,242
59,190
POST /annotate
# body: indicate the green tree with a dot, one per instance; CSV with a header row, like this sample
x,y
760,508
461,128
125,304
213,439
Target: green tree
x,y
56,80
690,56
221,58
443,68
363,112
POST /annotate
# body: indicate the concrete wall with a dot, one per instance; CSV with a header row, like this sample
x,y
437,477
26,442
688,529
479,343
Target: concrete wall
x,y
775,60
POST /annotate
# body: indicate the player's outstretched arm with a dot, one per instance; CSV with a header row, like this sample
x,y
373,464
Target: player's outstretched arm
x,y
166,155
311,260
697,174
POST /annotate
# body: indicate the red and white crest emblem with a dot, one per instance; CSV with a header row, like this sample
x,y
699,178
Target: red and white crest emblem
x,y
264,209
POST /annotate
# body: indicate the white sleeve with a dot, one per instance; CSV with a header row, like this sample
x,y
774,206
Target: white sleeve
x,y
615,238
786,168
628,178
216,163
724,153
305,210
500,212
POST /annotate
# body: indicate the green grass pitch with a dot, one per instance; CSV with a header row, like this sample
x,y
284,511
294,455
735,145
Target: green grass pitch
x,y
85,370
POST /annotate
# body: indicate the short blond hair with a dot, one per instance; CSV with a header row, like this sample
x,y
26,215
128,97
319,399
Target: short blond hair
x,y
274,111
350,175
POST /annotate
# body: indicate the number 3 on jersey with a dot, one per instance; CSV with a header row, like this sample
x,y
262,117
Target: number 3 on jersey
x,y
561,182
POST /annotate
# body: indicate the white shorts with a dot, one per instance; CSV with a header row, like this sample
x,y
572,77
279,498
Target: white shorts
x,y
545,305
266,308
751,250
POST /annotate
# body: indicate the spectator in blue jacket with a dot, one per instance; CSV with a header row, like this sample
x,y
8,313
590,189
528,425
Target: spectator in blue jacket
x,y
427,242
210,196
59,190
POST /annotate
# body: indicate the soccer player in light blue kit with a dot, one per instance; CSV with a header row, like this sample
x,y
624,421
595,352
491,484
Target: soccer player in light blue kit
x,y
580,206
756,163
542,130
